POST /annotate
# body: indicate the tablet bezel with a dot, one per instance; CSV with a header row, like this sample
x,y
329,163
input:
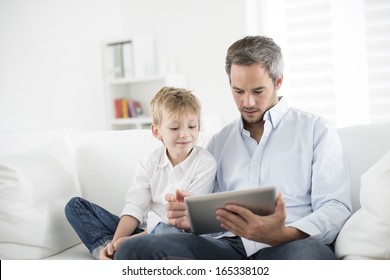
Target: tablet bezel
x,y
201,208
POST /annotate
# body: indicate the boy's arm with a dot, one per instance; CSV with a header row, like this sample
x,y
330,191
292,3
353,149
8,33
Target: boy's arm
x,y
125,228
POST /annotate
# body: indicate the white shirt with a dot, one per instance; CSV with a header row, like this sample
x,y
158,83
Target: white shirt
x,y
302,156
155,177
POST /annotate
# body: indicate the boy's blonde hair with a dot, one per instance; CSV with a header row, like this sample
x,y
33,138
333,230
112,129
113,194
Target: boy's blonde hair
x,y
174,101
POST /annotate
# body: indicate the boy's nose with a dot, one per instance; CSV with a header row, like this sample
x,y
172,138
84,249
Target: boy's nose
x,y
183,133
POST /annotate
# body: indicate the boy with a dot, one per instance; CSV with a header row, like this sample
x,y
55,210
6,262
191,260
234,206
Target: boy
x,y
178,164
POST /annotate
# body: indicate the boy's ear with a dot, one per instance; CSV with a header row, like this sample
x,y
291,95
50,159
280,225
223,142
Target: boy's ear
x,y
155,131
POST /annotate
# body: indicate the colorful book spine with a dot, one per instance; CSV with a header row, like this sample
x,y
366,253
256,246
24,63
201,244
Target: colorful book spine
x,y
132,112
118,108
125,108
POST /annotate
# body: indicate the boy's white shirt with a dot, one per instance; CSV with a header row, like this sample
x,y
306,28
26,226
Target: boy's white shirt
x,y
155,177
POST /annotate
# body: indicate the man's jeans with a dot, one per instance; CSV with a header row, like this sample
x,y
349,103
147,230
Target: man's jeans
x,y
96,227
189,246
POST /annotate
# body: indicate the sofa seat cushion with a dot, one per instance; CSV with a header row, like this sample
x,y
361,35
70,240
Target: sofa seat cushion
x,y
34,187
367,233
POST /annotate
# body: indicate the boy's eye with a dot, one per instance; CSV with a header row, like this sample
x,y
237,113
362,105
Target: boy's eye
x,y
174,128
192,126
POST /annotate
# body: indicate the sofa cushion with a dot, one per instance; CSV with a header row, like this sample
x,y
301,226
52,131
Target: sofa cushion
x,y
367,233
34,188
106,162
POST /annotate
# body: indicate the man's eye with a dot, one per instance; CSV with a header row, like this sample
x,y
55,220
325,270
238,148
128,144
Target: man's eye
x,y
258,91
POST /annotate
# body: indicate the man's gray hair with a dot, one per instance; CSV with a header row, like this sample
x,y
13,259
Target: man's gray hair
x,y
256,49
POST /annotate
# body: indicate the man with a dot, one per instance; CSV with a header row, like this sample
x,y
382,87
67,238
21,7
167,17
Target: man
x,y
270,144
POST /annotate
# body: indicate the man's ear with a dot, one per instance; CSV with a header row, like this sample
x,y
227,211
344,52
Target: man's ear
x,y
155,131
279,83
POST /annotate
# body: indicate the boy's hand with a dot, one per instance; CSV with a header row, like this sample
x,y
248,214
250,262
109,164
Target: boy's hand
x,y
177,210
120,240
107,253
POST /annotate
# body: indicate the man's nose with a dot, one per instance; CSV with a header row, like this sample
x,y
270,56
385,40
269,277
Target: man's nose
x,y
249,101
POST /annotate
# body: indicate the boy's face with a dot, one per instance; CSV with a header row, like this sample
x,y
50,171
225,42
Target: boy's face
x,y
179,134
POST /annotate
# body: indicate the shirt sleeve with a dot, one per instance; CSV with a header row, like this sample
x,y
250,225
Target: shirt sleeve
x,y
204,176
330,190
139,194
211,149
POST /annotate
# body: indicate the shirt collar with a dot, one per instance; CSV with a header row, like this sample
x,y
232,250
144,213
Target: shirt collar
x,y
273,115
184,165
163,160
276,113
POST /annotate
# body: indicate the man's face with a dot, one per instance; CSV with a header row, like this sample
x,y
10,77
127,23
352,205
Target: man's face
x,y
253,90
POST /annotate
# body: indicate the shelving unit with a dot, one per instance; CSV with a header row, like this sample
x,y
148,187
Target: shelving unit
x,y
141,89
140,85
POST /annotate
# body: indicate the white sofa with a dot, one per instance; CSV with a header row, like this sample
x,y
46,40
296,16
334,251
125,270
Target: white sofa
x,y
36,183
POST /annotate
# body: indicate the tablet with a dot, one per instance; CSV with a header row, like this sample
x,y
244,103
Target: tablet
x,y
201,208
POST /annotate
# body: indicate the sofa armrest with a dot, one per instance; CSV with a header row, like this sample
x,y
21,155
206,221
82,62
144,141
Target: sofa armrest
x,y
35,186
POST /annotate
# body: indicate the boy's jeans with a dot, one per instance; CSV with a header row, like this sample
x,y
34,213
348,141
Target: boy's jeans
x,y
93,224
163,228
96,226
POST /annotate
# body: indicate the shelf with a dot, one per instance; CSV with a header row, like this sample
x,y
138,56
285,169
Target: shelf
x,y
130,73
132,121
122,81
175,78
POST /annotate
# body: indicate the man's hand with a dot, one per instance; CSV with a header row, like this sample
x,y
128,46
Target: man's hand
x,y
177,210
269,229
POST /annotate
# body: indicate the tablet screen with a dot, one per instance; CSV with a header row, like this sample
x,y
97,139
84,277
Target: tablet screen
x,y
201,209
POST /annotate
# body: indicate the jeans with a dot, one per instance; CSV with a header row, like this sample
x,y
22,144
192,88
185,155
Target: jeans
x,y
94,225
189,246
163,228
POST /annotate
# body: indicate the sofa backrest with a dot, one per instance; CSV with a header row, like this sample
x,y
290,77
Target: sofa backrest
x,y
363,145
106,162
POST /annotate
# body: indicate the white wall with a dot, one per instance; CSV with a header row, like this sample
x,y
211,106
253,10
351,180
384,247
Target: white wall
x,y
192,38
50,63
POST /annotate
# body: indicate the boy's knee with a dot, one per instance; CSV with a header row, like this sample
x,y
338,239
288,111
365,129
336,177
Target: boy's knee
x,y
72,204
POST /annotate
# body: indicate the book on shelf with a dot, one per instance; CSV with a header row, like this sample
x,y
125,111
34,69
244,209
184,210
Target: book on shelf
x,y
127,108
138,108
118,108
128,61
131,58
114,56
132,112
